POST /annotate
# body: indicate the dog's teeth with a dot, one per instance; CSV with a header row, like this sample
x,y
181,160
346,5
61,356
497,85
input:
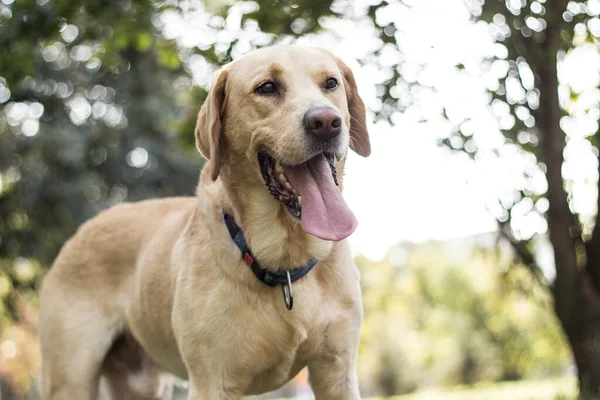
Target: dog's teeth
x,y
288,185
300,200
278,167
294,191
283,178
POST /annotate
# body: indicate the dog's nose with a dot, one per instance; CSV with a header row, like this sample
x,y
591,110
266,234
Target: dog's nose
x,y
324,123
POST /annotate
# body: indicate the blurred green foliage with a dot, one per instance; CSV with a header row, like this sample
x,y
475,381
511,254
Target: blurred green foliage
x,y
437,320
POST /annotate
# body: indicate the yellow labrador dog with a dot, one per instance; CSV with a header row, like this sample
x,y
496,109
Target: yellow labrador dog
x,y
240,287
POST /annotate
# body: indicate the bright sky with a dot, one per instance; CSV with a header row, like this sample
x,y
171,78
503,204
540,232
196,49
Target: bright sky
x,y
410,189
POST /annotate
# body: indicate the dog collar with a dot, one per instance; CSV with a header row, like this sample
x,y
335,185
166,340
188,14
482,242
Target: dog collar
x,y
270,278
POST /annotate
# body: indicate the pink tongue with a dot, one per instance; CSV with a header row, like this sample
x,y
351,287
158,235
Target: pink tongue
x,y
324,211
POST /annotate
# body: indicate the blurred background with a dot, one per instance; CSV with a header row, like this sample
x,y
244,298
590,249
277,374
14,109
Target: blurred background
x,y
478,243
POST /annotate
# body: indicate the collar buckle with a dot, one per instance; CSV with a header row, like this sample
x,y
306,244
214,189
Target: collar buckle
x,y
287,292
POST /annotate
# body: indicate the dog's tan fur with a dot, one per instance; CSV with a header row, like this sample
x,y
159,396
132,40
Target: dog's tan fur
x,y
160,286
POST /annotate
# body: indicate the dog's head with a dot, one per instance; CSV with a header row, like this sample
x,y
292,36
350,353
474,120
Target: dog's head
x,y
290,112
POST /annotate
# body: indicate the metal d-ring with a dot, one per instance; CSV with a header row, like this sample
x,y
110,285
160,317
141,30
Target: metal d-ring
x,y
287,292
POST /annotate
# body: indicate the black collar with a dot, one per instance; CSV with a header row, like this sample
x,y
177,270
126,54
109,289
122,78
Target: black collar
x,y
271,278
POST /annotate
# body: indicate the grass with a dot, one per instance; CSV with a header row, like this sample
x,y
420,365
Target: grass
x,y
546,389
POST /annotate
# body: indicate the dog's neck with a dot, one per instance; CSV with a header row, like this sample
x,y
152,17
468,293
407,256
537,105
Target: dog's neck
x,y
277,240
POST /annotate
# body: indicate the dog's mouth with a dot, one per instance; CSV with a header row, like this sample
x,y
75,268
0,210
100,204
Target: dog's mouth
x,y
309,192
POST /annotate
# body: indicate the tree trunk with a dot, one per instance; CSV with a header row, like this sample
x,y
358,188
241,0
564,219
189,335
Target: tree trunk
x,y
576,300
583,333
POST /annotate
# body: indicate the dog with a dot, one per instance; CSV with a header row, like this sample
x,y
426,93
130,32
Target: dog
x,y
239,288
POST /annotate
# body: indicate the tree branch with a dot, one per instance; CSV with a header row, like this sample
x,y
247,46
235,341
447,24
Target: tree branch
x,y
20,95
523,254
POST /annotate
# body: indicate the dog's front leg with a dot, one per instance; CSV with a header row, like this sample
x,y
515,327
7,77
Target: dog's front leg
x,y
333,371
213,386
211,394
214,370
334,377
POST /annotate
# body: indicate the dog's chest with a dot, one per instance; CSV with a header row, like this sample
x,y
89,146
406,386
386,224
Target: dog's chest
x,y
283,353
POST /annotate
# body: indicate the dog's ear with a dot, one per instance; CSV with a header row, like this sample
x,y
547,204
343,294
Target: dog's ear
x,y
209,127
359,136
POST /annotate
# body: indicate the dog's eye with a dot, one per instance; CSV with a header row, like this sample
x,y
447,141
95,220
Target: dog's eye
x,y
268,87
331,84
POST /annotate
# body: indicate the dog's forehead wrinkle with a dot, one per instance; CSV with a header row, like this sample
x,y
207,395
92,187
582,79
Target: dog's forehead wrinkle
x,y
275,70
259,74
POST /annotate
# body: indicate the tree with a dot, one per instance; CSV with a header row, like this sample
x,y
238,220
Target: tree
x,y
537,37
83,125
